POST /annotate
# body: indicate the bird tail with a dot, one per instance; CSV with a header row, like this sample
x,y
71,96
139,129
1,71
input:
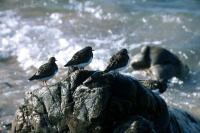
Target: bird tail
x,y
33,77
106,71
68,64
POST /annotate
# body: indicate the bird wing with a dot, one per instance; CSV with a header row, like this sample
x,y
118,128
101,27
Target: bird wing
x,y
116,61
45,70
80,57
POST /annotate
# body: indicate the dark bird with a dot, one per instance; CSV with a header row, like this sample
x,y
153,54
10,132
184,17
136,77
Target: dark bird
x,y
118,61
46,71
81,58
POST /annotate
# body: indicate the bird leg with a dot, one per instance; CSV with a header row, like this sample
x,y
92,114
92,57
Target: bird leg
x,y
45,83
49,91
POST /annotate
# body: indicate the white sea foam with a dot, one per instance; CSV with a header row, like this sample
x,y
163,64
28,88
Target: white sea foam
x,y
34,43
171,19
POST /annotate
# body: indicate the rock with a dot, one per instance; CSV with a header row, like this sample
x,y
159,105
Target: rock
x,y
104,103
135,124
160,63
70,70
154,85
182,122
149,84
46,109
130,97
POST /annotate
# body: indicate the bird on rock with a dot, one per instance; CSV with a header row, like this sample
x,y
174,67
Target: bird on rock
x,y
81,58
46,71
118,61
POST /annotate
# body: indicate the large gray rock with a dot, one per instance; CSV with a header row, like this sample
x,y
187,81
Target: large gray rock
x,y
129,97
105,103
160,63
47,109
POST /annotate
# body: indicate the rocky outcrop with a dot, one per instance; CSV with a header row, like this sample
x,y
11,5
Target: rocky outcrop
x,y
132,98
182,122
135,124
105,103
154,85
159,63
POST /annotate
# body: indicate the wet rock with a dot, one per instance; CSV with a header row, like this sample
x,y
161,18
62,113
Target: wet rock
x,y
149,84
46,109
129,97
135,125
159,63
70,70
102,104
182,122
154,85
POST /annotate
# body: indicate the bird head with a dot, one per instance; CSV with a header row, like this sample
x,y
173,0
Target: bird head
x,y
89,48
52,60
124,51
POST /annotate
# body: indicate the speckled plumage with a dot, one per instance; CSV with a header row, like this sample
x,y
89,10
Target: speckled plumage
x,y
46,71
81,58
118,61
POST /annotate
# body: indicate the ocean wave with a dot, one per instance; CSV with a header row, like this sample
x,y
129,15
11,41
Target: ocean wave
x,y
34,39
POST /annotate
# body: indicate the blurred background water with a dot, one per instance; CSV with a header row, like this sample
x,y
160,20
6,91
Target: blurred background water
x,y
31,31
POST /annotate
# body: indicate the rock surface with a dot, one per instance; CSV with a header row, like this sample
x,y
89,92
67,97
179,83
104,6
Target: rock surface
x,y
113,103
135,125
159,63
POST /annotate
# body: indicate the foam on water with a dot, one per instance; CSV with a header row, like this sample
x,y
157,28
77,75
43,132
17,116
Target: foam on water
x,y
33,43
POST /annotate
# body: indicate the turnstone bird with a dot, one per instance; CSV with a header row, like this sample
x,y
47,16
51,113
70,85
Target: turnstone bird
x,y
118,61
81,58
46,71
